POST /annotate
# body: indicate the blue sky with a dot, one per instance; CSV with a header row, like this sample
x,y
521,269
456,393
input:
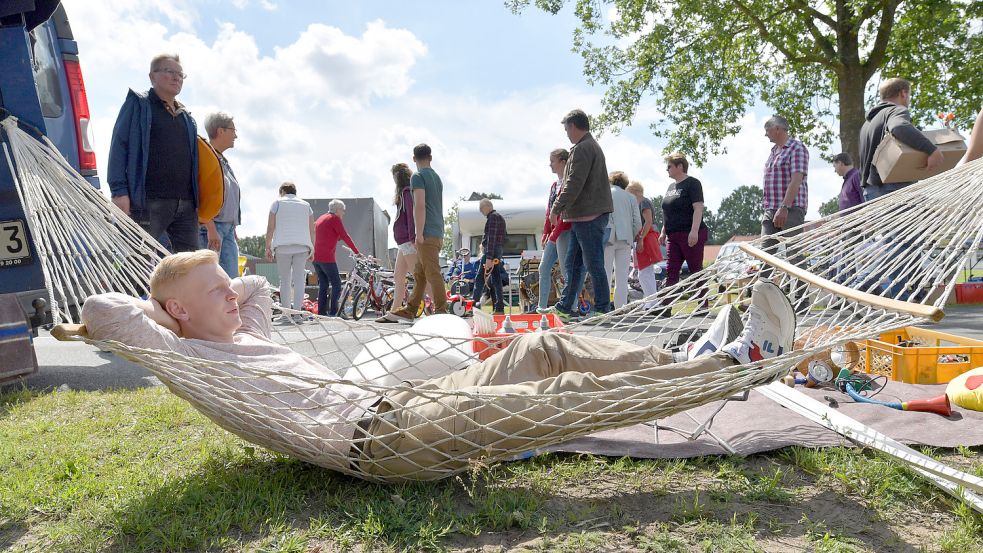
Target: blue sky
x,y
330,94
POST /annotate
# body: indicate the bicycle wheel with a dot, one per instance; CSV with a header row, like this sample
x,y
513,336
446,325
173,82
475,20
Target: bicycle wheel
x,y
345,305
360,303
458,308
387,300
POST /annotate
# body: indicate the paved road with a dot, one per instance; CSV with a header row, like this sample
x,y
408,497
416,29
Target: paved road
x,y
78,366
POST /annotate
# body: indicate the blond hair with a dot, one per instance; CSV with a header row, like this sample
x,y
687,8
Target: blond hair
x,y
679,160
174,267
635,188
619,179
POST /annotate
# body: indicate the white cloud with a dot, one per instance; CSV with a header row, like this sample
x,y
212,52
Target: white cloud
x,y
244,4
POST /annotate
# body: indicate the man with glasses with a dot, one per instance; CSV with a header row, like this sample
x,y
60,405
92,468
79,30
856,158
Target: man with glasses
x,y
153,158
219,234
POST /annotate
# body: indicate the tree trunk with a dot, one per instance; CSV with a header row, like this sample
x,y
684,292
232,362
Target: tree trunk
x,y
852,113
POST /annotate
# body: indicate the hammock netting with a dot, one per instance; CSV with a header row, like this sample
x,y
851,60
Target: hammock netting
x,y
880,266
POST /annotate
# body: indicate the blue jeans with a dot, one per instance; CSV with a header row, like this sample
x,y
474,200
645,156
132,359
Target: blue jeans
x,y
873,191
586,250
546,273
327,275
496,276
228,254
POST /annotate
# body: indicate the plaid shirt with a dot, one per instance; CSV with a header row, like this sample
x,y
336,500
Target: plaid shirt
x,y
793,157
494,240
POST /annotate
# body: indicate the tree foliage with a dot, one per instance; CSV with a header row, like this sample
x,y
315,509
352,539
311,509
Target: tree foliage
x,y
739,213
450,219
658,218
475,196
253,245
830,206
703,65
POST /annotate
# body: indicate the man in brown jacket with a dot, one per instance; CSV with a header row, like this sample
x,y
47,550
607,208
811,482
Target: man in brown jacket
x,y
585,200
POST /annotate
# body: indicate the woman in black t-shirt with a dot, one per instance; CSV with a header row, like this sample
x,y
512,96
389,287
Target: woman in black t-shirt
x,y
683,226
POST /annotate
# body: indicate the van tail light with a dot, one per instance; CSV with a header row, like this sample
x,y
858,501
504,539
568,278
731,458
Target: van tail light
x,y
80,105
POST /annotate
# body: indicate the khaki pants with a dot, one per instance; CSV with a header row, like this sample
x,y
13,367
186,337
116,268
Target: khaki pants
x,y
545,380
427,270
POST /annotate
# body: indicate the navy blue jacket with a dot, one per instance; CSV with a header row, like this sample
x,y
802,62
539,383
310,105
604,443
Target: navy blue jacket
x,y
129,150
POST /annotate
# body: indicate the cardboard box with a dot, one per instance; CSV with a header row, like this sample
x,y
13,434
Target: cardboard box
x,y
898,162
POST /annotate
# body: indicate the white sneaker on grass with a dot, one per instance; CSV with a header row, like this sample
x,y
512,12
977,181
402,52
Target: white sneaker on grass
x,y
725,329
770,327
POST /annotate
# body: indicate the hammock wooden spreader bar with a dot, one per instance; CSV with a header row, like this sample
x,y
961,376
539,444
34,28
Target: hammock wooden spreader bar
x,y
929,312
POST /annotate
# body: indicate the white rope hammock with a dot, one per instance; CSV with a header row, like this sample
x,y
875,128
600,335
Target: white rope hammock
x,y
883,265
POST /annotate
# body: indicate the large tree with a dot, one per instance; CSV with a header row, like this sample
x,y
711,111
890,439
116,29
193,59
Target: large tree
x,y
703,65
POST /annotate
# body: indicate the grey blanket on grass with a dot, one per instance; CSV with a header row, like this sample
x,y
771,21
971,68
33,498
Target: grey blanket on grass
x,y
759,425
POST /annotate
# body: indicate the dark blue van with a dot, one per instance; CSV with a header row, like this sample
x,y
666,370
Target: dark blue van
x,y
40,84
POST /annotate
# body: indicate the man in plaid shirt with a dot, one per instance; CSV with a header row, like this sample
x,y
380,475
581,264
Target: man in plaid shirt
x,y
492,244
786,194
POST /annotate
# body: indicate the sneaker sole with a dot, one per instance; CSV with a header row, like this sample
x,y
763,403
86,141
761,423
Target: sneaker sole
x,y
779,304
734,325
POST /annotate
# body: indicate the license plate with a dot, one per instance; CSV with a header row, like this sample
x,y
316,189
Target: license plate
x,y
14,249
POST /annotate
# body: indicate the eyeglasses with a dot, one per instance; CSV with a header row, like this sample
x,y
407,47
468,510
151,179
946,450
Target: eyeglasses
x,y
172,73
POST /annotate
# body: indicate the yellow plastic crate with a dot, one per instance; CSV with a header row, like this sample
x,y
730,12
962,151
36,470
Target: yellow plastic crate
x,y
920,356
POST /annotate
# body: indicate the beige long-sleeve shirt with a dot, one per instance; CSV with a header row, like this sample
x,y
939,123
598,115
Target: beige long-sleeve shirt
x,y
295,402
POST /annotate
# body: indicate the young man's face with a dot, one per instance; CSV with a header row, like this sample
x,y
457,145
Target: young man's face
x,y
207,306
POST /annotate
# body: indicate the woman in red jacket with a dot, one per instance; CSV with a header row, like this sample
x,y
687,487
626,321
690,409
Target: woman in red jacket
x,y
327,231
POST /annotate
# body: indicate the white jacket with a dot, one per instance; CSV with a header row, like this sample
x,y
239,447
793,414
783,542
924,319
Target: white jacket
x,y
626,219
293,222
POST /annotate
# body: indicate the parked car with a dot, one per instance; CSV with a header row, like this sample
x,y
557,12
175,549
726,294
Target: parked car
x,y
661,272
661,266
734,267
42,86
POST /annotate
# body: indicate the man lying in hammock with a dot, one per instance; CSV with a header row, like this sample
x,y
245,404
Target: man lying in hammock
x,y
545,385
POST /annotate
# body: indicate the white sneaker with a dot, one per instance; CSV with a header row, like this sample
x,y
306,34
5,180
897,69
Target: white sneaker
x,y
770,327
725,329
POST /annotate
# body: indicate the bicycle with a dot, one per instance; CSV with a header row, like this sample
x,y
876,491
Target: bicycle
x,y
585,300
461,274
367,286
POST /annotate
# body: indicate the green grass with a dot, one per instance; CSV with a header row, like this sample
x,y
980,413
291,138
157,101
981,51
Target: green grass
x,y
966,275
142,471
